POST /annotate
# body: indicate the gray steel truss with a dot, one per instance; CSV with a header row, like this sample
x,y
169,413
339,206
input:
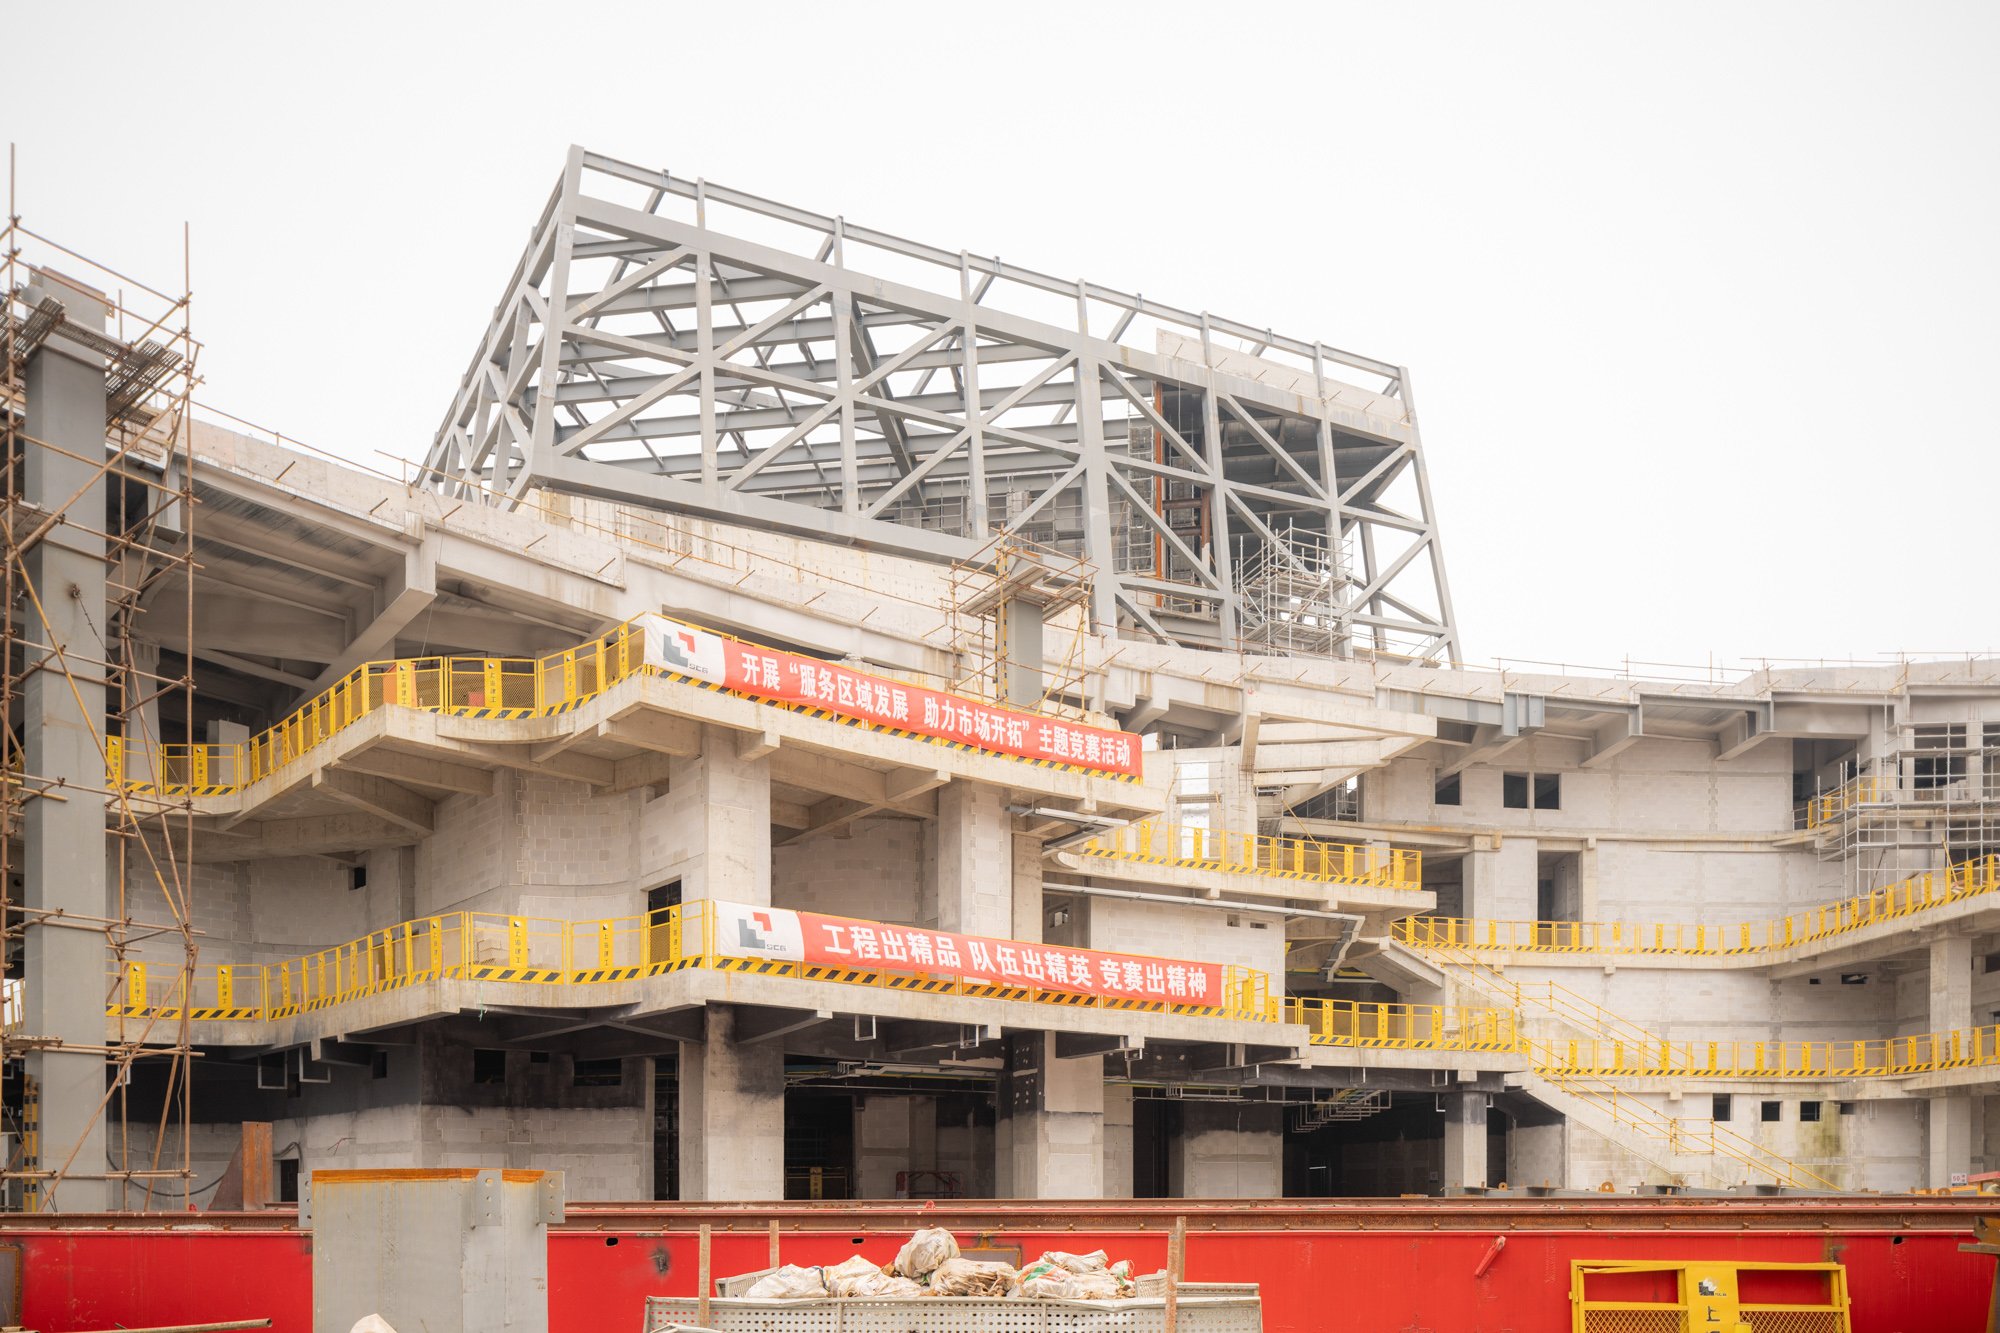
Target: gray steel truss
x,y
669,343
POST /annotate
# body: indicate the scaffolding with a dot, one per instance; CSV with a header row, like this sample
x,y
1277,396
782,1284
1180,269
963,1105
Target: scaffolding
x,y
1930,801
1294,593
130,497
1019,619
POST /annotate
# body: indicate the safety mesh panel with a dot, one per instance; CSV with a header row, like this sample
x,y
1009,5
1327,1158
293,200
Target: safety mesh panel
x,y
1667,1319
1795,1321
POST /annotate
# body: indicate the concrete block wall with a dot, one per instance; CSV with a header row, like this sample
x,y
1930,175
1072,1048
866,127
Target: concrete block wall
x,y
1879,1146
217,901
1702,1004
872,870
1654,786
711,828
969,857
469,858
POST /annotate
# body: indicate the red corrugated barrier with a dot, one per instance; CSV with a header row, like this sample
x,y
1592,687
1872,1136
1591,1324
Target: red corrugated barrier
x,y
1377,1267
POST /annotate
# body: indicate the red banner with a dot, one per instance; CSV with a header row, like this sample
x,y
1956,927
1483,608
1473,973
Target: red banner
x,y
766,673
835,941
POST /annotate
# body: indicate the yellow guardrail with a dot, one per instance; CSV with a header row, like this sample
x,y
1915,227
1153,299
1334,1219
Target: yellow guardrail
x,y
493,946
1868,789
493,687
1406,1027
1923,1053
1919,893
1152,842
1431,1027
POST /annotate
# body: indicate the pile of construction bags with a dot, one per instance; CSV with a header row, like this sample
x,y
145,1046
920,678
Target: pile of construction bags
x,y
930,1265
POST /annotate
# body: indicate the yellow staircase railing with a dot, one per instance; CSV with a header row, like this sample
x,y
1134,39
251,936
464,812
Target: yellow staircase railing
x,y
482,687
1156,842
1553,1060
1919,893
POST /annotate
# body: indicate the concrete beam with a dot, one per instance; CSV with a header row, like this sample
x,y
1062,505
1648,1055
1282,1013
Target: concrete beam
x,y
757,1024
1613,736
420,771
1211,1056
1081,1045
402,598
658,732
336,836
379,797
904,1037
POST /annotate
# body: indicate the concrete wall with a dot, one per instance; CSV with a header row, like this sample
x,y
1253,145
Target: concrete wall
x,y
873,869
1202,933
1655,786
1228,1150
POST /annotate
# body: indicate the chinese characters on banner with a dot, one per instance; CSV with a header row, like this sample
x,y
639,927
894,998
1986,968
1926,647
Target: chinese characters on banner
x,y
768,674
833,941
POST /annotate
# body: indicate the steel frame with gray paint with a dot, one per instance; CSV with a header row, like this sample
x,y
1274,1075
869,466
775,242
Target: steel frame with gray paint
x,y
676,344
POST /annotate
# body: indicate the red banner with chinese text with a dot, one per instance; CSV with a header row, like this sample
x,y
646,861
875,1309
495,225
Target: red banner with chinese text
x,y
766,673
833,941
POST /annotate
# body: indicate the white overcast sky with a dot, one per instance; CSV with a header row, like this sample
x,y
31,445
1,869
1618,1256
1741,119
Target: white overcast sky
x,y
1699,300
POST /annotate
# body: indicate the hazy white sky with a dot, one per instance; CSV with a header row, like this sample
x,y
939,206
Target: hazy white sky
x,y
1699,299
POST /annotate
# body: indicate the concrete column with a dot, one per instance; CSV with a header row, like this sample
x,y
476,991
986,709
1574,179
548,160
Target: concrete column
x,y
1049,1136
1950,1118
1028,919
732,1120
1118,1140
1021,634
1586,882
1464,1140
892,1134
1500,883
1229,1151
720,812
463,1251
63,866
970,875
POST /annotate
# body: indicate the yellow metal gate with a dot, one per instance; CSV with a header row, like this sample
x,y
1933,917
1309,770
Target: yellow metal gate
x,y
1700,1296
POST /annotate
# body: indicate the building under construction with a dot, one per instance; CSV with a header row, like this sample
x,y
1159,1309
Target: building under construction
x,y
835,717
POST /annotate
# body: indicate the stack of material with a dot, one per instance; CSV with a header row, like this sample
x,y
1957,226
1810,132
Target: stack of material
x,y
1059,1276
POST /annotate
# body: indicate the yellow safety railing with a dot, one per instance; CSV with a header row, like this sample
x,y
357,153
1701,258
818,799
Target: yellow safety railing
x,y
493,946
503,687
1868,789
1408,1027
1919,893
1154,842
1922,1053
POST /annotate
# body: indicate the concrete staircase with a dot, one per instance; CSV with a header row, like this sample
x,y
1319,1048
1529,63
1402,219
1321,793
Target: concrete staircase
x,y
1689,1151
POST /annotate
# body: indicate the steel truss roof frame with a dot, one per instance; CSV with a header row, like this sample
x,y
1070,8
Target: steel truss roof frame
x,y
675,344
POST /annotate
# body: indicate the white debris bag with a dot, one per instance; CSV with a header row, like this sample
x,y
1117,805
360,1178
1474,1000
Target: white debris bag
x,y
371,1323
790,1283
925,1252
972,1277
1094,1262
1097,1285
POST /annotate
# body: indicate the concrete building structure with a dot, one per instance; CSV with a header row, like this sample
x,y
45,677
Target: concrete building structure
x,y
480,877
